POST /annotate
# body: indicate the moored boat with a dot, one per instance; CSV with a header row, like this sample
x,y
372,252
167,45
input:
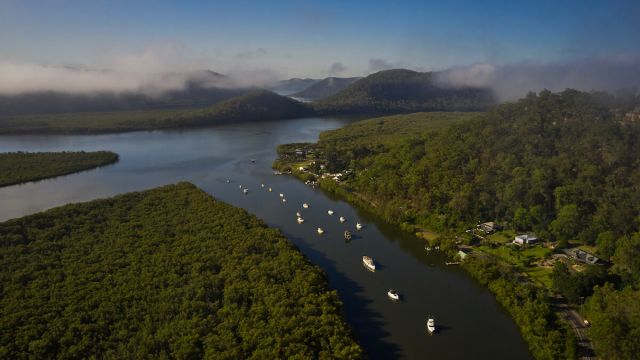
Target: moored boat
x,y
320,231
431,325
358,226
246,191
298,214
393,295
347,235
368,263
300,220
342,219
281,195
330,212
284,200
305,205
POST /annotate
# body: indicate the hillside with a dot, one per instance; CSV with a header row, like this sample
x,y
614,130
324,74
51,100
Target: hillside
x,y
19,167
402,90
325,88
290,86
257,105
564,166
205,88
166,273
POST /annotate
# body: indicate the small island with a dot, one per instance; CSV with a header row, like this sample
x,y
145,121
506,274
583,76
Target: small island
x,y
165,273
20,167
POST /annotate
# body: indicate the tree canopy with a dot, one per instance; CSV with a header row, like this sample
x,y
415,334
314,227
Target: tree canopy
x,y
165,273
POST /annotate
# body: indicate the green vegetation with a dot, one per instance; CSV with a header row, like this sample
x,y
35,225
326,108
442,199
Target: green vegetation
x,y
547,337
257,105
564,166
402,90
19,167
165,273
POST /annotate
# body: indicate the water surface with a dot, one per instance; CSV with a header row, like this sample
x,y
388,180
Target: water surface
x,y
472,325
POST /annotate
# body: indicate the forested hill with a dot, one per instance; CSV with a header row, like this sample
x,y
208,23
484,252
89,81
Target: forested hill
x,y
402,90
257,105
564,163
167,273
325,88
50,102
565,166
19,167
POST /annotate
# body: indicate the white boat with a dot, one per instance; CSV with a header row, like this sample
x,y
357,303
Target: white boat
x,y
342,219
261,185
246,191
284,200
320,231
228,181
330,212
281,195
305,205
368,262
270,189
239,186
358,226
300,220
298,214
431,326
393,295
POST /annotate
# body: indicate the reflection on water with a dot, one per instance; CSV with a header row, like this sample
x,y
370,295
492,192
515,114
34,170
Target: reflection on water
x,y
472,324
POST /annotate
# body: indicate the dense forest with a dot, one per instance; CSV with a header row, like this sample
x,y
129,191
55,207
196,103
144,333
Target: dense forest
x,y
400,90
19,167
565,166
256,105
165,273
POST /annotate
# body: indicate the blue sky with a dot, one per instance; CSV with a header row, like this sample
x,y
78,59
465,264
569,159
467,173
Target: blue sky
x,y
304,38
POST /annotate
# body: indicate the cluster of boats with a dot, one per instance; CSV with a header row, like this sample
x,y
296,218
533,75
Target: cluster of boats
x,y
367,261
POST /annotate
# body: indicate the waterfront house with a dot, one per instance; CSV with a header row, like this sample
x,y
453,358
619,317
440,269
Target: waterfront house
x,y
525,239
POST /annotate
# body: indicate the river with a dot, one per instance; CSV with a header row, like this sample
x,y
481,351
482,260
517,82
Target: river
x,y
471,324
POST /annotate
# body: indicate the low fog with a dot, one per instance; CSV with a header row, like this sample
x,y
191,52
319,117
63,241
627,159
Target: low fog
x,y
510,82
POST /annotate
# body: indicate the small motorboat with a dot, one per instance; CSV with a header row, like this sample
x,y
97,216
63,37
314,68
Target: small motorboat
x,y
427,247
284,200
368,263
239,186
270,189
298,214
261,185
358,226
431,326
228,181
330,212
342,219
246,191
300,220
281,195
347,235
393,295
320,231
305,205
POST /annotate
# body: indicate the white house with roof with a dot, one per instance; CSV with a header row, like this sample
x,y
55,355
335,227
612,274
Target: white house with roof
x,y
525,239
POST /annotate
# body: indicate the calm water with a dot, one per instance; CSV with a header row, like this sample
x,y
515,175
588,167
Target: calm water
x,y
472,325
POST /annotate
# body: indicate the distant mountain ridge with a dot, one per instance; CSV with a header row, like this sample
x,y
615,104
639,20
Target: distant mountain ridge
x,y
324,88
291,86
402,90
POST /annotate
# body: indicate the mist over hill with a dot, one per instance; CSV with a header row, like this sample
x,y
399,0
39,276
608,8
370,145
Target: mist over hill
x,y
324,88
401,90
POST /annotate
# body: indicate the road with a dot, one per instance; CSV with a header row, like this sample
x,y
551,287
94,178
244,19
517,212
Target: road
x,y
585,347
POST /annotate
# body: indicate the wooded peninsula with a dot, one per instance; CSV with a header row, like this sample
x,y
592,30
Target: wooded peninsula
x,y
165,273
20,167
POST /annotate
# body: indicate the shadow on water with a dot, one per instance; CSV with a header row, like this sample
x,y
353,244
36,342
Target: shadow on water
x,y
367,324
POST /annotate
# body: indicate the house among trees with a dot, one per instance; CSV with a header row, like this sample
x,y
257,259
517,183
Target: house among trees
x,y
525,239
488,227
463,253
582,256
300,153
